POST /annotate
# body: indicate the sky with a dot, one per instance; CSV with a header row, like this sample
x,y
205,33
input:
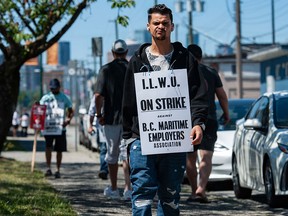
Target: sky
x,y
216,25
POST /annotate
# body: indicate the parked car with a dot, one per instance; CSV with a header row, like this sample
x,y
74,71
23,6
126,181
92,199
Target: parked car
x,y
85,138
260,149
221,160
222,156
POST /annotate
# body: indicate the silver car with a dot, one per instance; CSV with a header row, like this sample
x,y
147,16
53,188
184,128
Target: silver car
x,y
260,149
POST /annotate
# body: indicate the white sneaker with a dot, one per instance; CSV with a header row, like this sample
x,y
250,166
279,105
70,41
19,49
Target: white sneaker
x,y
127,195
108,192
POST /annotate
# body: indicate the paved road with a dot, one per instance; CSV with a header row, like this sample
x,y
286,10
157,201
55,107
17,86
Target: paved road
x,y
81,186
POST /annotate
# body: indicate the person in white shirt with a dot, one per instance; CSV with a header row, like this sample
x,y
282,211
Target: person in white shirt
x,y
24,124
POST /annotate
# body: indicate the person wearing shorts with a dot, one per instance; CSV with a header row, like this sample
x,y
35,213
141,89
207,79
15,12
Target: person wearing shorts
x,y
206,146
55,102
108,100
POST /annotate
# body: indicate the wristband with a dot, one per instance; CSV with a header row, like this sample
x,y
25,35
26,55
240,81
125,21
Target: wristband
x,y
203,127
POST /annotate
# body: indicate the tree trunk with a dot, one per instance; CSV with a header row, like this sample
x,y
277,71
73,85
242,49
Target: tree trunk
x,y
9,90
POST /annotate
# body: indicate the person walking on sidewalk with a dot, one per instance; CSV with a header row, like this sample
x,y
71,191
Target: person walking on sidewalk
x,y
100,139
108,99
160,174
206,147
15,123
24,124
58,107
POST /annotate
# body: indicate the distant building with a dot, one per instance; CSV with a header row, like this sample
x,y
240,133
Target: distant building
x,y
57,57
264,68
64,53
223,50
273,61
30,78
226,67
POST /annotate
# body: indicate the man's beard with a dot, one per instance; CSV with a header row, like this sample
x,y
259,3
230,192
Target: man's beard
x,y
160,38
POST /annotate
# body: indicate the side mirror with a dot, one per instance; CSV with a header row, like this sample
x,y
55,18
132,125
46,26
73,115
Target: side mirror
x,y
253,124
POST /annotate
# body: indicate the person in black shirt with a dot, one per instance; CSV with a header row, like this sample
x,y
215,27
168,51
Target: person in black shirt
x,y
160,174
206,147
108,100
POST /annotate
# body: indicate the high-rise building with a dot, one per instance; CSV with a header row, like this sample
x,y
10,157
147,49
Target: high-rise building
x,y
59,53
64,53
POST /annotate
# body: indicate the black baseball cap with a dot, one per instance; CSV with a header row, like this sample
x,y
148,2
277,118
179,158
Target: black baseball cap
x,y
54,83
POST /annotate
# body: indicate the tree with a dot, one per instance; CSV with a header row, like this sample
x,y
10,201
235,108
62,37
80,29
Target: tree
x,y
27,28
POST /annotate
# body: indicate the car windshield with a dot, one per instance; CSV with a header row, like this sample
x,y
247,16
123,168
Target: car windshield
x,y
237,110
281,114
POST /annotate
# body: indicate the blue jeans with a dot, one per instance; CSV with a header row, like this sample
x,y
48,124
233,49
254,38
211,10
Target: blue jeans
x,y
151,174
103,151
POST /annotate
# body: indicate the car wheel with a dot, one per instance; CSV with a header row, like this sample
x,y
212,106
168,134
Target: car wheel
x,y
240,192
269,185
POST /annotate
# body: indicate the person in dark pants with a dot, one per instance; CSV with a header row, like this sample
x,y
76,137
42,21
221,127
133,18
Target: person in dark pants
x,y
160,174
59,113
206,147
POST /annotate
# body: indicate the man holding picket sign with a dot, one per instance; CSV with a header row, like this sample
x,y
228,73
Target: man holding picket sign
x,y
164,113
59,113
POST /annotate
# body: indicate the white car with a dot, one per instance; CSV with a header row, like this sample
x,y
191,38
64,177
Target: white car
x,y
260,149
222,156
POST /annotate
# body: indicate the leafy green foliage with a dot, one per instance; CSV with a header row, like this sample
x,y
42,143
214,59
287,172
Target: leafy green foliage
x,y
28,25
123,20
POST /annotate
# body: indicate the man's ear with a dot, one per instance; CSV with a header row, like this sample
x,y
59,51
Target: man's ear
x,y
172,27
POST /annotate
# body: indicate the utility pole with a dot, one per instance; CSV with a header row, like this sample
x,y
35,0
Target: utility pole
x,y
189,9
238,51
273,22
116,28
40,63
176,32
196,5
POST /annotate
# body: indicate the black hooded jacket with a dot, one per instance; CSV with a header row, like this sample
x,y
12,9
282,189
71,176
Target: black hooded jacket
x,y
181,58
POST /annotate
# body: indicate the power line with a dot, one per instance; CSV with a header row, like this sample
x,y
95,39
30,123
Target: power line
x,y
268,33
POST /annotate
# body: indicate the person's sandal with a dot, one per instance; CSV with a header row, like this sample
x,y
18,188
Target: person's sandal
x,y
201,198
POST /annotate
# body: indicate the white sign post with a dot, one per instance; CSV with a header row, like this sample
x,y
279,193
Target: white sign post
x,y
164,111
